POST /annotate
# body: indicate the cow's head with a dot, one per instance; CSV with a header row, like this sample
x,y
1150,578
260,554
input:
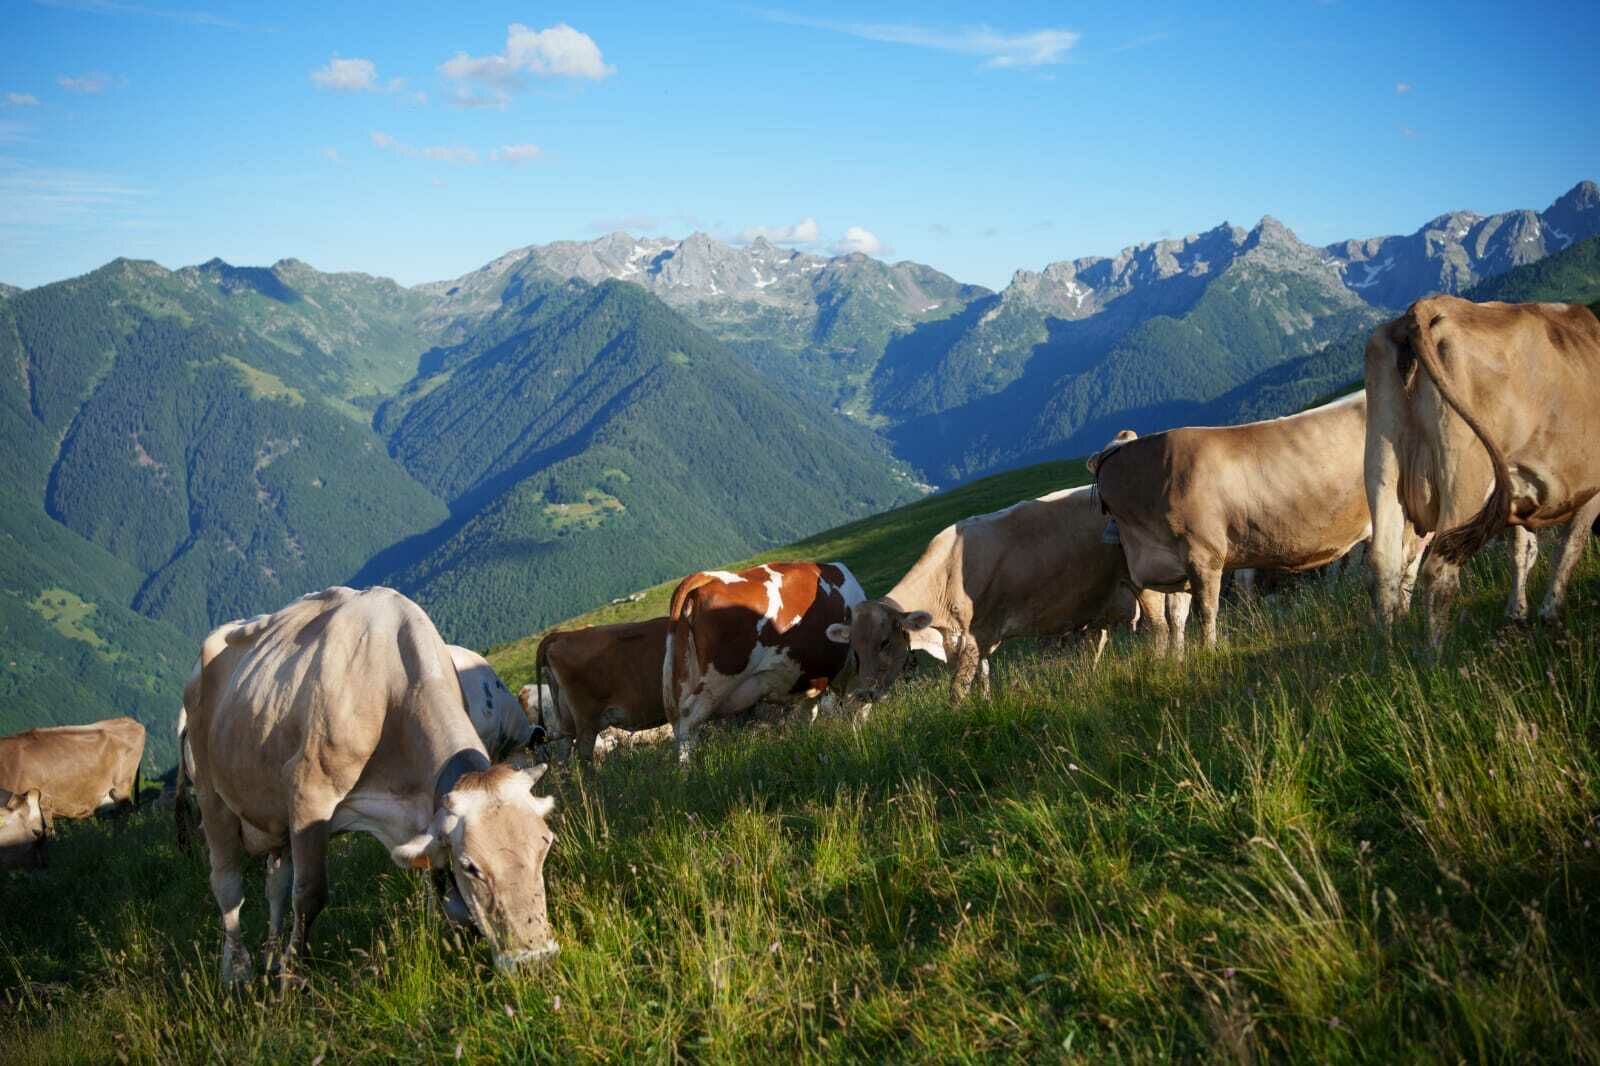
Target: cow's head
x,y
22,829
543,709
1094,461
494,833
880,635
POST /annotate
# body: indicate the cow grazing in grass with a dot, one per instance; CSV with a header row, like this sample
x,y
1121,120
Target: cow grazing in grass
x,y
497,716
761,634
341,713
1284,494
22,831
1038,568
599,677
1482,416
78,770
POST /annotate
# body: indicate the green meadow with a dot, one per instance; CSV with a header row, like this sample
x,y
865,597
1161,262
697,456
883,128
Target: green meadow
x,y
1303,846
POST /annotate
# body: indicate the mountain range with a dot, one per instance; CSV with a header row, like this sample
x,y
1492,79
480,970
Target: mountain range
x,y
576,420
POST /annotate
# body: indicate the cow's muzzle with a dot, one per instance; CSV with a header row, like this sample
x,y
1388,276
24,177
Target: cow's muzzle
x,y
507,961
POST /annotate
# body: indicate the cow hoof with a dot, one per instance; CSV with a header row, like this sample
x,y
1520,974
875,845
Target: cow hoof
x,y
237,969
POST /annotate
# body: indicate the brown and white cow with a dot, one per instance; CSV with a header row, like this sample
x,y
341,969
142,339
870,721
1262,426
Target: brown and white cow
x,y
761,634
1482,416
1037,568
497,716
599,677
342,713
1283,494
79,770
22,831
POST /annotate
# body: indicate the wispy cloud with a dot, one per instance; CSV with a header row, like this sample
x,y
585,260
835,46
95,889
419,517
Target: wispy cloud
x,y
803,232
1407,131
332,155
439,153
351,76
858,239
1142,41
556,52
33,196
93,83
998,48
462,97
516,153
116,7
21,100
1402,87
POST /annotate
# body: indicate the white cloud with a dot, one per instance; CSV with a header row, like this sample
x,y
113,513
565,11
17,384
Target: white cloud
x,y
515,153
21,100
347,76
1402,87
557,52
332,155
438,153
1030,48
858,239
90,84
803,232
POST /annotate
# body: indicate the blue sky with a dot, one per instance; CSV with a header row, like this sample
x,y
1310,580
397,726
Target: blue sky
x,y
423,142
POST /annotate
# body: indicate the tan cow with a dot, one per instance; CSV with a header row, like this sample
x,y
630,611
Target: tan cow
x,y
761,634
1038,568
496,714
600,677
1283,494
79,770
341,713
22,831
1483,415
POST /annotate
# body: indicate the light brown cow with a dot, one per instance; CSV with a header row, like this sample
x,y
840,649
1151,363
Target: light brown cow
x,y
1038,568
22,831
79,770
496,715
1284,494
1483,415
761,634
600,677
341,713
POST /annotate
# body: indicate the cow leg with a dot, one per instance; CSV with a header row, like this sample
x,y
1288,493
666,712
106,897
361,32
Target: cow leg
x,y
1443,580
1100,646
280,882
225,845
1524,553
308,849
1153,610
1409,574
692,714
587,736
1577,540
966,668
1178,620
1207,584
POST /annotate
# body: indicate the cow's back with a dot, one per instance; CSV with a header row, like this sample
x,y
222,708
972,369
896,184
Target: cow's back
x,y
74,767
316,679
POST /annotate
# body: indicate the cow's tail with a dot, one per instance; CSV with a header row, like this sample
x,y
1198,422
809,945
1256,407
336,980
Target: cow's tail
x,y
682,606
1096,463
539,659
1460,544
183,824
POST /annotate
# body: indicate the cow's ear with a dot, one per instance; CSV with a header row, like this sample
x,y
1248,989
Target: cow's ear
x,y
839,633
544,805
533,774
414,854
915,621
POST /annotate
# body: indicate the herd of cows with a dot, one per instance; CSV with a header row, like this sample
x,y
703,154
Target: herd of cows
x,y
346,711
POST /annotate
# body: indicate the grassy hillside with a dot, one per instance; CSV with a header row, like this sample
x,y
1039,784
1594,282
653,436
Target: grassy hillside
x,y
878,550
1294,848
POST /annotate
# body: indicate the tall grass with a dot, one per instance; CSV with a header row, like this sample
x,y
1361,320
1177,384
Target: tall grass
x,y
1301,846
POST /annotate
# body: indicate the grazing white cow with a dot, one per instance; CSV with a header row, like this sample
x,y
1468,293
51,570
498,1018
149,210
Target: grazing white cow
x,y
1283,494
341,713
496,714
1038,568
1482,416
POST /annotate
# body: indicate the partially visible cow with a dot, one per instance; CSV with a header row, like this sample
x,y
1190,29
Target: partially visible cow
x,y
1283,494
79,770
1483,416
1038,568
496,714
342,713
761,634
22,831
599,677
